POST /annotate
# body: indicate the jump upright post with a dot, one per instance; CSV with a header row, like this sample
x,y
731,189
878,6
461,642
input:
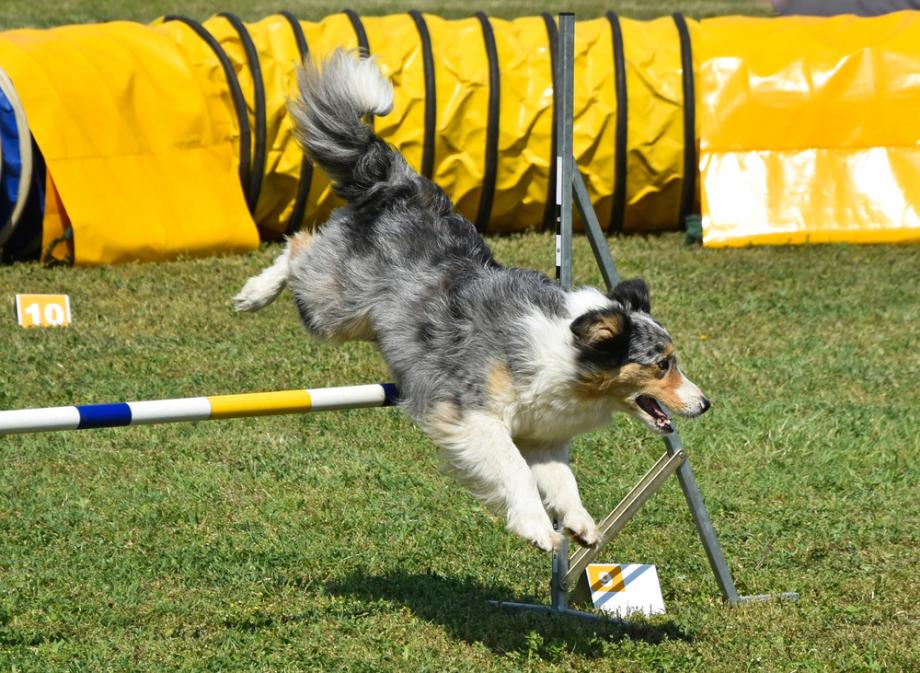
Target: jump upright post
x,y
568,573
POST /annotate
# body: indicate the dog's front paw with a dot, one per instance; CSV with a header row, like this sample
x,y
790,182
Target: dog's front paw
x,y
582,528
536,530
546,540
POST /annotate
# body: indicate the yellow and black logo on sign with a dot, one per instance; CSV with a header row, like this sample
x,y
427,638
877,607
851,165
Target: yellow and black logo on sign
x,y
605,578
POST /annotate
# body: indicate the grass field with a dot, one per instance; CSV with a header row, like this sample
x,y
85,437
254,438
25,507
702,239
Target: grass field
x,y
332,542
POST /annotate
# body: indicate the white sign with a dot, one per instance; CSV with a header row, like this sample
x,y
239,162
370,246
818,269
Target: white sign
x,y
625,588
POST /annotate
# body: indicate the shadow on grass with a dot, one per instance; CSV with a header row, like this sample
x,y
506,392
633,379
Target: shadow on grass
x,y
11,638
461,606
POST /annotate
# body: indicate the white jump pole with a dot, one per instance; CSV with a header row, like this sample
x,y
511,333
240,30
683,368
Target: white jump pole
x,y
215,407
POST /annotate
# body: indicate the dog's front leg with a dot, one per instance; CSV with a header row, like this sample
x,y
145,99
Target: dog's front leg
x,y
479,449
550,467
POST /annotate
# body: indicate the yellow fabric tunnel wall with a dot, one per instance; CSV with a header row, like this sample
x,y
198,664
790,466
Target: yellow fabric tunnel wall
x,y
172,138
810,129
149,131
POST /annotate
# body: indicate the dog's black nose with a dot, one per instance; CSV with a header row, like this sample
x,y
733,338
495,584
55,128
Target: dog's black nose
x,y
706,405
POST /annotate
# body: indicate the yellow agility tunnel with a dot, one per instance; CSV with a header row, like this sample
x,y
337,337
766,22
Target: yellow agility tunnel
x,y
172,138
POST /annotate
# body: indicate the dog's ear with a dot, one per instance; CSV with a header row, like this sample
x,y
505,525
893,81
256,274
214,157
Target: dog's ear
x,y
601,329
633,294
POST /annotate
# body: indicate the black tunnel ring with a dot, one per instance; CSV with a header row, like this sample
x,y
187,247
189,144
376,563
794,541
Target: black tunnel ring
x,y
236,94
431,104
258,96
491,163
618,209
306,166
688,189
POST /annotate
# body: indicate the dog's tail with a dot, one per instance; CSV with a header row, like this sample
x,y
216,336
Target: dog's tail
x,y
334,97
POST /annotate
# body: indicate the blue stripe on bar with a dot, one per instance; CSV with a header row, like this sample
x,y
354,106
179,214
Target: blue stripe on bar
x,y
104,415
390,394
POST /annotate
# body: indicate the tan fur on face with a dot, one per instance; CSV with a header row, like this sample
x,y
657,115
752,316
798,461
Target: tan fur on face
x,y
665,389
634,379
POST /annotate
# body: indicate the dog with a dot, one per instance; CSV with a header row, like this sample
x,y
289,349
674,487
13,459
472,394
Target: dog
x,y
499,366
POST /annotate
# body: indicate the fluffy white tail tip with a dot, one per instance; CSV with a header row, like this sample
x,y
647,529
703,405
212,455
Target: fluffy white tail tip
x,y
368,87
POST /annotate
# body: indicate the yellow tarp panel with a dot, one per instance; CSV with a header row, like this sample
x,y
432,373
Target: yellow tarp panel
x,y
462,81
655,156
526,129
278,58
135,138
594,112
810,129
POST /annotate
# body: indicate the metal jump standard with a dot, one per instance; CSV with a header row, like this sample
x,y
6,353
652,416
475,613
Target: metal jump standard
x,y
568,573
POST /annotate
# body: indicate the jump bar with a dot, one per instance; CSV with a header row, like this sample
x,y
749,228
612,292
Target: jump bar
x,y
87,416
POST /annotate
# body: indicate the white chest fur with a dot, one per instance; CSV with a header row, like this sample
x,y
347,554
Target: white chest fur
x,y
545,408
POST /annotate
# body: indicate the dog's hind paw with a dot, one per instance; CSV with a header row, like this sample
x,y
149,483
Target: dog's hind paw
x,y
261,290
243,304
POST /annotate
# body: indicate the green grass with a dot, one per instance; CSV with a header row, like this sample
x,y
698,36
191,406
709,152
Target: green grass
x,y
332,541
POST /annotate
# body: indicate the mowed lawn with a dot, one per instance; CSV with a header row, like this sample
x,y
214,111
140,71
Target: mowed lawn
x,y
332,541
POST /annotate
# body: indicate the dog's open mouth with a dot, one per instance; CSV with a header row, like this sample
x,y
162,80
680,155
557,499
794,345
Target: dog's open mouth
x,y
650,406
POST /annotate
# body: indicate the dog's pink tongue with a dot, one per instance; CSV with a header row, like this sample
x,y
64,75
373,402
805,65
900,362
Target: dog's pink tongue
x,y
661,418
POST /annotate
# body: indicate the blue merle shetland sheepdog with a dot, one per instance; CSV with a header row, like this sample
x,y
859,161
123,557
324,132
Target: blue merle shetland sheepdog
x,y
500,366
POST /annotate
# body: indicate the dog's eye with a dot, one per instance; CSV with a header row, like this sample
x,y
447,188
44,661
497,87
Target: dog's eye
x,y
664,365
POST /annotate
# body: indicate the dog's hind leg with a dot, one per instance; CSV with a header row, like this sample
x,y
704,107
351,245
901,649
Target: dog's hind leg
x,y
261,290
550,467
480,452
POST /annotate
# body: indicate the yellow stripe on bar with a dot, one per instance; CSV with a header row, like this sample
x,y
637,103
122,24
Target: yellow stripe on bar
x,y
260,404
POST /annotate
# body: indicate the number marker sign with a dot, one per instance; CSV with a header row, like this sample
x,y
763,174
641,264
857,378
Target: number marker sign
x,y
43,310
624,588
